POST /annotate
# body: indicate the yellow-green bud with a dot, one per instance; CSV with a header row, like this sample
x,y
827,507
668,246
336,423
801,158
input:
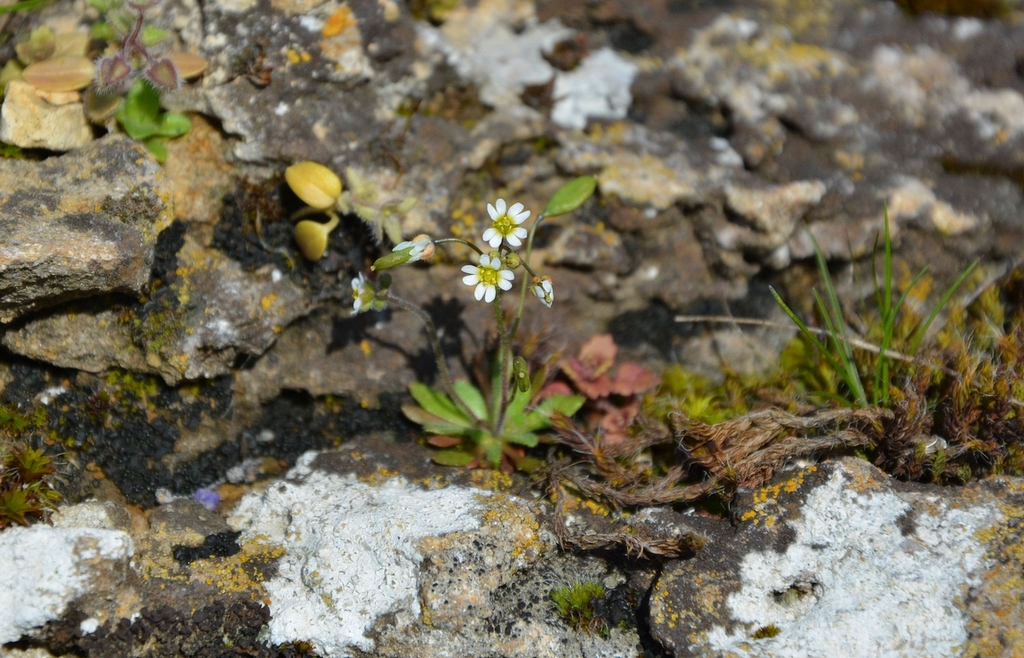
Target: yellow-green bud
x,y
315,184
521,373
512,260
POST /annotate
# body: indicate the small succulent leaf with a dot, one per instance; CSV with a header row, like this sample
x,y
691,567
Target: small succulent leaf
x,y
98,106
41,44
113,73
570,196
153,35
173,124
156,146
439,404
444,441
452,457
406,205
11,71
472,398
188,65
528,439
163,74
60,74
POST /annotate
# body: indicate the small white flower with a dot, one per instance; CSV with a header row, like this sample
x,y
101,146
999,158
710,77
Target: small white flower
x,y
422,247
488,277
363,294
542,290
505,224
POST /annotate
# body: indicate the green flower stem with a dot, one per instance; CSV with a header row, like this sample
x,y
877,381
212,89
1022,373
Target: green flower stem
x,y
526,283
499,398
435,342
460,241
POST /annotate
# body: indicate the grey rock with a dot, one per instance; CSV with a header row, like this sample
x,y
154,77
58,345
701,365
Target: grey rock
x,y
192,328
839,558
79,225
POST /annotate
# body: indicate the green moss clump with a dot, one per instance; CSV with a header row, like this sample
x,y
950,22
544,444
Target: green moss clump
x,y
575,604
765,632
26,491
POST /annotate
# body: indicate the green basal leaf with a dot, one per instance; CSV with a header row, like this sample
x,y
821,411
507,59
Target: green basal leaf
x,y
516,410
570,196
492,452
155,145
451,457
472,398
139,115
528,439
439,404
540,417
448,429
173,124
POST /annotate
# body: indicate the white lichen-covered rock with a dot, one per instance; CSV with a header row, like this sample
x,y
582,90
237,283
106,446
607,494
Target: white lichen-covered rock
x,y
498,45
43,569
397,569
838,560
597,89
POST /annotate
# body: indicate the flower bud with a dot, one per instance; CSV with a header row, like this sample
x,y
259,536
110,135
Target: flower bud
x,y
521,374
512,260
542,290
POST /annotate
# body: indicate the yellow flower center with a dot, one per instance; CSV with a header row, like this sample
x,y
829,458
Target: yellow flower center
x,y
504,225
488,276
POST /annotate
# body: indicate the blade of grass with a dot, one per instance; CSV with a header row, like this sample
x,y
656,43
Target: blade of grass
x,y
805,330
923,329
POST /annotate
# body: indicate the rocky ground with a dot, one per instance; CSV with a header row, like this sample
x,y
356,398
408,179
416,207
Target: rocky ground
x,y
238,477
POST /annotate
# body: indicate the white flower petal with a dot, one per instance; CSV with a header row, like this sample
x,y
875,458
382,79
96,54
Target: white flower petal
x,y
508,275
520,233
515,209
500,206
521,217
480,290
470,269
491,294
504,284
471,280
513,240
485,261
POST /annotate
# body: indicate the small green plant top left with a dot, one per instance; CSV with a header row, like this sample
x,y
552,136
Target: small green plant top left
x,y
121,82
492,422
26,491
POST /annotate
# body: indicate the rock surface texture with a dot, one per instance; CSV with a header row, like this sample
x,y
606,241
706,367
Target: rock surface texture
x,y
239,476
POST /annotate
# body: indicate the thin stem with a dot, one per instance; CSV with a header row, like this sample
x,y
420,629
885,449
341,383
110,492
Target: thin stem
x,y
460,241
526,284
499,394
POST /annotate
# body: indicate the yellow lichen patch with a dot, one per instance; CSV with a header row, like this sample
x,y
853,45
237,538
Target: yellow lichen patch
x,y
765,501
338,22
364,346
268,301
242,572
491,480
297,56
379,477
996,608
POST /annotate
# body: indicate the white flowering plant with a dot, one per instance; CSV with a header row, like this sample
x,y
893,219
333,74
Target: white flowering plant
x,y
490,425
